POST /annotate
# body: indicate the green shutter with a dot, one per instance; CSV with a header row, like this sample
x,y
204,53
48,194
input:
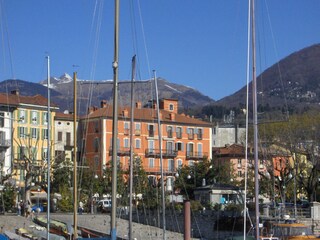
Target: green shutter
x,y
38,117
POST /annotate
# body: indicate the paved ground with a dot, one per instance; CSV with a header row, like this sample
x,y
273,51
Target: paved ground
x,y
99,222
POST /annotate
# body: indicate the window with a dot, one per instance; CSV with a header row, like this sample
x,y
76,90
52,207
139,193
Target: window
x,y
169,148
239,174
138,143
22,116
68,139
190,132
45,118
137,131
1,119
126,142
191,163
239,163
96,126
170,131
44,133
21,152
96,162
33,154
179,132
96,144
34,133
199,133
190,149
200,153
126,128
170,165
60,136
34,117
45,154
171,107
151,146
179,163
151,162
22,132
2,138
151,130
179,146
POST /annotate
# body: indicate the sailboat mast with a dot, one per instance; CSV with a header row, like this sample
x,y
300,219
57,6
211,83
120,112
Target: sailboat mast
x,y
75,183
247,123
115,123
161,160
131,145
48,150
255,121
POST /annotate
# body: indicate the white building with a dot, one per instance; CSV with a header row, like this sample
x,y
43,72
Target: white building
x,y
227,134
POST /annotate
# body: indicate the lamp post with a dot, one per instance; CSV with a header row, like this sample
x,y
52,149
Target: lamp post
x,y
38,198
92,195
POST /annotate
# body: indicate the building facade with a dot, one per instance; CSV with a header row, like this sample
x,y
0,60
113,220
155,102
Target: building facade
x,y
25,119
185,140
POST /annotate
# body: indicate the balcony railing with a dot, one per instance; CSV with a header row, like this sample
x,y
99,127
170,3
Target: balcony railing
x,y
190,136
196,155
199,136
156,170
166,153
5,143
121,151
126,131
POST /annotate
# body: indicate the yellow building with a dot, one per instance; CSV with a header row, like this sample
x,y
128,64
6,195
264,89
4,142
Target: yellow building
x,y
29,135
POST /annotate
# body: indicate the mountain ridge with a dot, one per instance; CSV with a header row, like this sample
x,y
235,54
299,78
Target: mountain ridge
x,y
290,85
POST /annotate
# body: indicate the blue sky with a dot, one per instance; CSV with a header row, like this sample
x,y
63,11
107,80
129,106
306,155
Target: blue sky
x,y
201,44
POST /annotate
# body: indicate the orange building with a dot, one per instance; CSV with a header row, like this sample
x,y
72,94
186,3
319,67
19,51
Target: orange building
x,y
185,140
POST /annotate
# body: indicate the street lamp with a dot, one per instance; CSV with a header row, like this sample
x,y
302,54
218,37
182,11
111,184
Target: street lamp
x,y
38,198
92,195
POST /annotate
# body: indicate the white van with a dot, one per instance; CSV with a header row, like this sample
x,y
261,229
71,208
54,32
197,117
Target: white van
x,y
104,205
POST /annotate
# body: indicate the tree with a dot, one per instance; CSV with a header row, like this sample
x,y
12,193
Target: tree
x,y
300,136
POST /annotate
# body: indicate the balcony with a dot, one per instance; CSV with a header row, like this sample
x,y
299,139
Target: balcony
x,y
126,131
199,136
166,153
137,132
196,155
5,143
156,170
190,136
122,151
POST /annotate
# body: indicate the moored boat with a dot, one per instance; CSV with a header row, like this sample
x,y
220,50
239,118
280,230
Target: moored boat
x,y
56,227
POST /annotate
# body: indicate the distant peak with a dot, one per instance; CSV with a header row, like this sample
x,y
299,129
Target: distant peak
x,y
65,78
65,75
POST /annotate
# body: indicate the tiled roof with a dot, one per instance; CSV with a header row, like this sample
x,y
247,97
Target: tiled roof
x,y
148,115
64,116
16,99
234,149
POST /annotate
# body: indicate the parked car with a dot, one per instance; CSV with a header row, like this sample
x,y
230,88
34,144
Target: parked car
x,y
104,205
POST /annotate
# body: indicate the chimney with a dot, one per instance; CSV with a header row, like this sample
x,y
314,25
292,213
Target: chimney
x,y
138,105
103,104
90,110
15,92
154,105
172,116
125,113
